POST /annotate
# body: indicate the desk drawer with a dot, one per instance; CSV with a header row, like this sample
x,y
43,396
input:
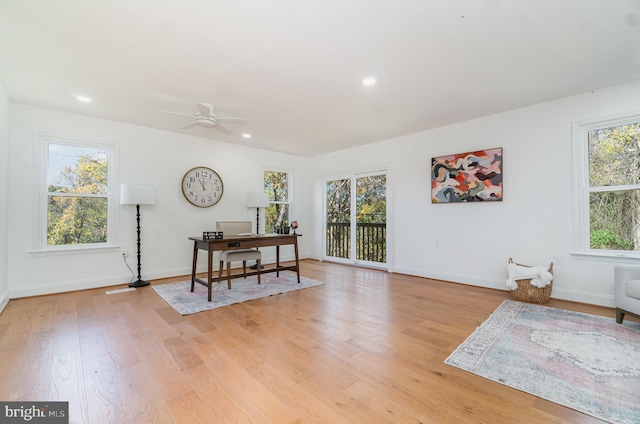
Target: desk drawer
x,y
232,245
243,244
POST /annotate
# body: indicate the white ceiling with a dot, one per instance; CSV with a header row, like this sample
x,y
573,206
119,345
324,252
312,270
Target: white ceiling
x,y
294,68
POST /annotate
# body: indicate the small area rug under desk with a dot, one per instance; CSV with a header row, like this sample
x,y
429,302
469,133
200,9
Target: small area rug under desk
x,y
180,297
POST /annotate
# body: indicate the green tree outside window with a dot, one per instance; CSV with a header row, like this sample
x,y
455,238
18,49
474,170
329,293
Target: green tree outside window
x,y
277,187
77,195
614,187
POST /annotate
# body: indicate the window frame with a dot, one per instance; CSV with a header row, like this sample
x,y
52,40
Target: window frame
x,y
582,188
41,245
289,202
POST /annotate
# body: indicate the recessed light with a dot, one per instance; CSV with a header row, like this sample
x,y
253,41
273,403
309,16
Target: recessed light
x,y
246,135
369,81
83,99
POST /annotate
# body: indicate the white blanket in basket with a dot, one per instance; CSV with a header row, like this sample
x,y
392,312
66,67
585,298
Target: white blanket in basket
x,y
539,275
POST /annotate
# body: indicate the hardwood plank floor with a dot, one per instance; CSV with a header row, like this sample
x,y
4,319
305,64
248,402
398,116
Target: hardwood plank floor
x,y
366,347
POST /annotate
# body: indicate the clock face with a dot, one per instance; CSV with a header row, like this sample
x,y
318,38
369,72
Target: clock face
x,y
202,187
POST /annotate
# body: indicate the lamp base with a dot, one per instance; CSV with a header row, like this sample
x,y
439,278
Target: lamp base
x,y
139,283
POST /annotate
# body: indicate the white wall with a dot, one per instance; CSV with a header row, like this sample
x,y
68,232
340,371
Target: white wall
x,y
4,175
145,156
532,223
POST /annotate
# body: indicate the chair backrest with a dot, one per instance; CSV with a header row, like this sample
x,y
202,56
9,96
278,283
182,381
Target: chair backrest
x,y
233,228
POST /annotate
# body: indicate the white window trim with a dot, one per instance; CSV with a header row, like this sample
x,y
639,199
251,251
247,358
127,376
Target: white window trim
x,y
581,188
40,234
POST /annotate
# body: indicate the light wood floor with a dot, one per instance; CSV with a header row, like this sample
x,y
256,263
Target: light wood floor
x,y
366,347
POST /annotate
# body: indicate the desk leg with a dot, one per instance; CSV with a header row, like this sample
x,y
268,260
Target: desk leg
x,y
277,260
193,266
209,271
295,248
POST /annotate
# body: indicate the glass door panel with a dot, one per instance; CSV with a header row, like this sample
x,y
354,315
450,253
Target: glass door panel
x,y
371,218
356,219
338,219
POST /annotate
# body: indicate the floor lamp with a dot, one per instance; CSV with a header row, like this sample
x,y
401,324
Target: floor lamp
x,y
257,200
138,194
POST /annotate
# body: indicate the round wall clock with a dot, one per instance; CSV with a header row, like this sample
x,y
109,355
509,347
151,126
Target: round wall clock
x,y
202,186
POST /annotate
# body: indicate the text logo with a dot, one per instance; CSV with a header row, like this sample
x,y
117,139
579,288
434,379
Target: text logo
x,y
34,412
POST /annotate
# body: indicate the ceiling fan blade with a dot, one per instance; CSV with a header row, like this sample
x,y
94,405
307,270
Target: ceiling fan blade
x,y
239,121
175,113
186,127
223,130
205,110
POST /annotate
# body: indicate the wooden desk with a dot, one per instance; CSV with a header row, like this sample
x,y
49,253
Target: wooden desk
x,y
241,242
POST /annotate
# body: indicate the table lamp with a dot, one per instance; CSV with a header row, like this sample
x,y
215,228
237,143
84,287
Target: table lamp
x,y
257,200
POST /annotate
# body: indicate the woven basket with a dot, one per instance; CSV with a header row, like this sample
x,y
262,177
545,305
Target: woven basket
x,y
532,294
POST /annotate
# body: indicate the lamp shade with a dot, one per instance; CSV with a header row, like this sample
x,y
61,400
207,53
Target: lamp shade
x,y
257,200
137,194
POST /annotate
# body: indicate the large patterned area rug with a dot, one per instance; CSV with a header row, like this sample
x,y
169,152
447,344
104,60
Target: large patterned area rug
x,y
179,294
585,362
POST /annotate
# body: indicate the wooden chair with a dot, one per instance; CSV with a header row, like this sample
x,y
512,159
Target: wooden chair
x,y
231,229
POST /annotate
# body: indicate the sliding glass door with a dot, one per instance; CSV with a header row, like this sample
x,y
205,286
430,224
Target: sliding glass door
x,y
356,219
338,219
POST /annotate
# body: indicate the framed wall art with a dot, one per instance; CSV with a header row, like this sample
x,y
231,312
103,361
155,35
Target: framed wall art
x,y
467,177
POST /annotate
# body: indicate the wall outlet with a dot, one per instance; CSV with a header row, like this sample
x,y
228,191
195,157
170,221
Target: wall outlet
x,y
125,254
557,260
436,243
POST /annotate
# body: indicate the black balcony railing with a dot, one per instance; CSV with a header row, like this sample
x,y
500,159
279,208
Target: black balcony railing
x,y
371,241
338,239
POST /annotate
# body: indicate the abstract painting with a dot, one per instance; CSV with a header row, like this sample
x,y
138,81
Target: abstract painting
x,y
467,177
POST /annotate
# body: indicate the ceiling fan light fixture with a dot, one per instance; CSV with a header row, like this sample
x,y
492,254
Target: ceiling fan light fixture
x,y
205,122
369,81
206,118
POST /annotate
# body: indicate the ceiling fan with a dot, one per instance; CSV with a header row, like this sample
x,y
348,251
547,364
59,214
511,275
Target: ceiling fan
x,y
206,118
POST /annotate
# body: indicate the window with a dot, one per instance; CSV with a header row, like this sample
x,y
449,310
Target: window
x,y
607,187
77,194
278,186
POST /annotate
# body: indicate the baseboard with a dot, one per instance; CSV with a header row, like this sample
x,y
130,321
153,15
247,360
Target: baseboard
x,y
115,280
4,300
583,297
93,283
499,284
472,280
52,288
